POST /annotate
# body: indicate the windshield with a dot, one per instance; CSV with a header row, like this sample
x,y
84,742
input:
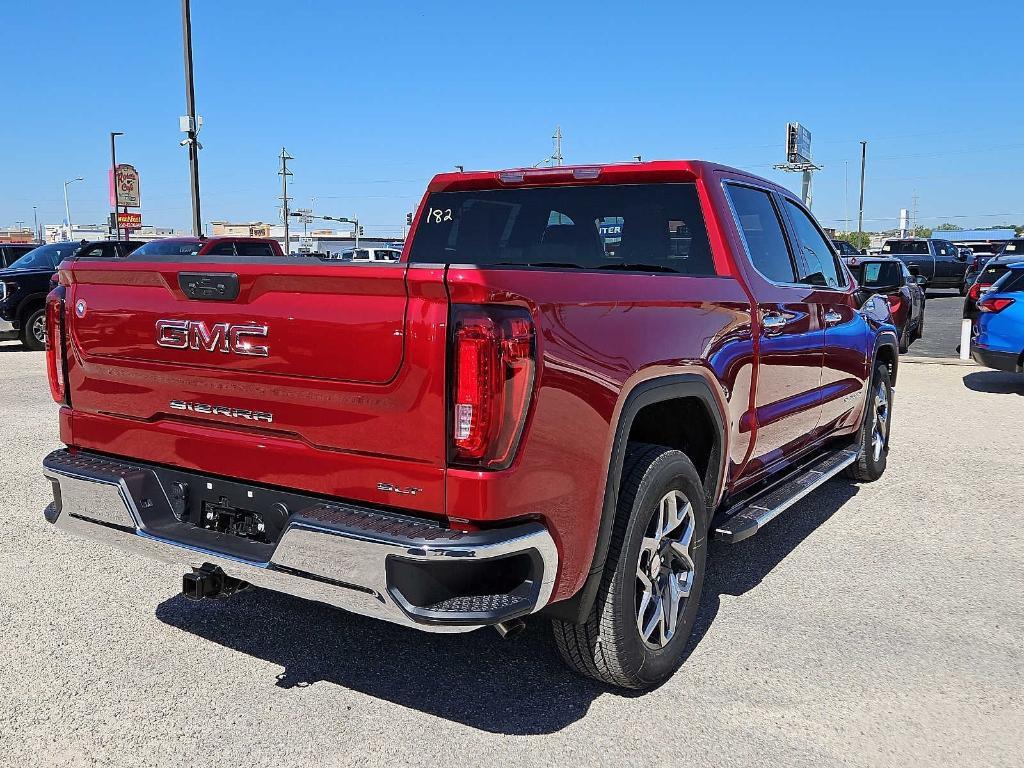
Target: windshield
x,y
168,248
641,227
45,256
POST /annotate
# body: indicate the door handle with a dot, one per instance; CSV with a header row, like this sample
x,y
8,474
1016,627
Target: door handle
x,y
773,322
832,317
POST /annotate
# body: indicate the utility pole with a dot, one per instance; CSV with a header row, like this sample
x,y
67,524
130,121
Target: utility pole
x,y
556,157
192,126
113,182
35,221
846,194
284,174
863,162
913,219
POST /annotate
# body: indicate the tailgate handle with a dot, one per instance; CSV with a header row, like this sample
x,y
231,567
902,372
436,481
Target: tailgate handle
x,y
209,286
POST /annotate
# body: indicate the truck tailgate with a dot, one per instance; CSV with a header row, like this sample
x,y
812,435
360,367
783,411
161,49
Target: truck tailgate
x,y
312,377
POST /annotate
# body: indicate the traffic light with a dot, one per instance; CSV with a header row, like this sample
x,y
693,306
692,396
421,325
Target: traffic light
x,y
360,230
408,219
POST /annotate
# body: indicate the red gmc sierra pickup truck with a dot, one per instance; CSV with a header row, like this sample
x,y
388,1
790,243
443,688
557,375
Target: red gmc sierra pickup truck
x,y
572,380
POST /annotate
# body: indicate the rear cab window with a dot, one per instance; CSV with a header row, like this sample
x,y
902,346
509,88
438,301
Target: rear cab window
x,y
906,247
629,227
880,274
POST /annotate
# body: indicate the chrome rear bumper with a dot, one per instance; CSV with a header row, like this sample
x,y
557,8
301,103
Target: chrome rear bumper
x,y
355,558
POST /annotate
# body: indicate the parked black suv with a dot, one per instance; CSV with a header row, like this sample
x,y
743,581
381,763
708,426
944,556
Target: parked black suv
x,y
25,283
11,252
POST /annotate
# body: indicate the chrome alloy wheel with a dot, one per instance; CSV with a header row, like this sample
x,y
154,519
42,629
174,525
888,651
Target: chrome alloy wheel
x,y
665,570
881,427
39,329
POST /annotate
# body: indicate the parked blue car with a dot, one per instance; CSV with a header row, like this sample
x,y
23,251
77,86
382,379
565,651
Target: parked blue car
x,y
999,330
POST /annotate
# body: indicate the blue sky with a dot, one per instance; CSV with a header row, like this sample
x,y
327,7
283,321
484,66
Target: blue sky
x,y
373,98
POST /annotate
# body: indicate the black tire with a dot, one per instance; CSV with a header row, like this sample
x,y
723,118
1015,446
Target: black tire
x,y
873,436
905,338
608,646
919,329
29,329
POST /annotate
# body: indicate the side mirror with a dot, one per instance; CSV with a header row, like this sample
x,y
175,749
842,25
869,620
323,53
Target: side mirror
x,y
863,251
920,280
914,270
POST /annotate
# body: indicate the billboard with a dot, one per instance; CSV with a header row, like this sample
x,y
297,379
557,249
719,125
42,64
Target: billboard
x,y
126,184
798,143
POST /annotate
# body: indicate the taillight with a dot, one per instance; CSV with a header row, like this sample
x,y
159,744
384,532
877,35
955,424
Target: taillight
x,y
494,363
55,345
895,301
994,304
974,292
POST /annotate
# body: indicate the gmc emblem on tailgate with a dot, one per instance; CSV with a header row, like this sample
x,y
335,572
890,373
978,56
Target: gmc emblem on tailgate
x,y
219,337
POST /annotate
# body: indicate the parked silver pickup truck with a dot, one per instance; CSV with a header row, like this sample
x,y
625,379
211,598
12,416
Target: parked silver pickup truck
x,y
939,262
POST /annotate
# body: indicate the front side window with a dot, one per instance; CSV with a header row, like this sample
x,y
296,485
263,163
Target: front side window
x,y
254,249
762,233
818,264
633,227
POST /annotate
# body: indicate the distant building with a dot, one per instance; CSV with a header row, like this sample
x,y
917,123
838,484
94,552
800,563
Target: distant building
x,y
56,233
974,235
17,235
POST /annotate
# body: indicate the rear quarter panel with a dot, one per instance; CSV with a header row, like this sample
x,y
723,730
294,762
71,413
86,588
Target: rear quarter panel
x,y
598,335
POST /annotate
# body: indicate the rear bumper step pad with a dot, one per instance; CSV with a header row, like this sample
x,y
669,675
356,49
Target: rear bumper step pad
x,y
332,552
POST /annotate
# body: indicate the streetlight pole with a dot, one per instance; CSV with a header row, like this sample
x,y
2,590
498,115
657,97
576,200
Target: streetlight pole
x,y
190,107
113,183
35,222
67,209
863,162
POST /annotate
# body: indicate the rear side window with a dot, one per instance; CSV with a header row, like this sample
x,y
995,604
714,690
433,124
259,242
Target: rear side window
x,y
657,227
1012,281
762,232
817,266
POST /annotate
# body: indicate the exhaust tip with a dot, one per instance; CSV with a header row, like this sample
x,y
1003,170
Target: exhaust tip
x,y
510,629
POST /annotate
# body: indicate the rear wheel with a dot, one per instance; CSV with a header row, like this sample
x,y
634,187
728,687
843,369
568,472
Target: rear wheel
x,y
638,627
33,332
873,437
905,338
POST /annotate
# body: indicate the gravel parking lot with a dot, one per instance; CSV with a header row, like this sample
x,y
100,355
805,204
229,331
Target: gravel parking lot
x,y
869,625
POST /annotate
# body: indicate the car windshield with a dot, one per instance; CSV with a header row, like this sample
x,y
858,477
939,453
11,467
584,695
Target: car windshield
x,y
1013,249
168,248
845,248
640,227
45,256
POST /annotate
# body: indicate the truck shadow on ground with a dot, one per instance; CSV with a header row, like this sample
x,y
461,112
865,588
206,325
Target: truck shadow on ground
x,y
517,687
995,382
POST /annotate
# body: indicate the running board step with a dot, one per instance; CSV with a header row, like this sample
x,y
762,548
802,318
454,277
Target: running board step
x,y
754,514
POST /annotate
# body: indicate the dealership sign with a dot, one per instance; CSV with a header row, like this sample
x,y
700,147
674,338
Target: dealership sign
x,y
126,184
